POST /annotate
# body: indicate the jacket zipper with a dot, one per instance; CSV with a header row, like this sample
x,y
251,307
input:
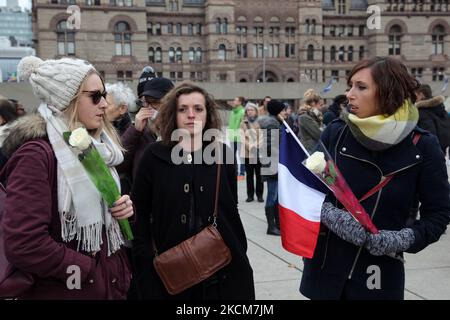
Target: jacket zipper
x,y
376,204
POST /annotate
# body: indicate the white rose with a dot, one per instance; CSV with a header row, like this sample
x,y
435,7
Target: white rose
x,y
316,162
80,139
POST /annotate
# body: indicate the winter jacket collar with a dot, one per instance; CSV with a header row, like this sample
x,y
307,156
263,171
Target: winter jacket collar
x,y
401,156
29,127
430,103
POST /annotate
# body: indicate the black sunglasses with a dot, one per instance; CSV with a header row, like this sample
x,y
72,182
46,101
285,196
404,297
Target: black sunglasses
x,y
97,95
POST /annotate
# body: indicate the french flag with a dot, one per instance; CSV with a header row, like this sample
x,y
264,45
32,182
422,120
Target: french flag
x,y
300,197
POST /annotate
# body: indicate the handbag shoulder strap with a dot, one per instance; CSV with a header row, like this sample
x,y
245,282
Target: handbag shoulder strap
x,y
385,179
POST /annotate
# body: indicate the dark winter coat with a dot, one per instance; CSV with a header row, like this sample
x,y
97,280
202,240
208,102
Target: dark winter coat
x,y
122,123
309,130
32,228
434,118
180,201
340,268
332,113
270,146
134,142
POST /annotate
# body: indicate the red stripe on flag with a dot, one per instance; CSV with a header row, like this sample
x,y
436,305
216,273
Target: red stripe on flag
x,y
298,235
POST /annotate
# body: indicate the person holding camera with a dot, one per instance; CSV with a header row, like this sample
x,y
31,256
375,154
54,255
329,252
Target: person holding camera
x,y
138,136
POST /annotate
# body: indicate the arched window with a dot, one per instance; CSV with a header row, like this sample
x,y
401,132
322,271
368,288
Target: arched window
x,y
178,29
307,27
199,28
437,39
341,54
191,54
350,53
222,55
171,55
149,28
225,26
190,29
170,28
158,29
310,53
218,24
158,55
198,55
151,54
179,55
122,37
395,35
313,26
65,39
333,54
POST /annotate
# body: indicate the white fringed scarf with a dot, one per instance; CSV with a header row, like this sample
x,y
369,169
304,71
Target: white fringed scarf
x,y
81,208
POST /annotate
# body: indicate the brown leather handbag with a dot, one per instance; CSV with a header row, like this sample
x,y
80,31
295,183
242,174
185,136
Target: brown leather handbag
x,y
194,259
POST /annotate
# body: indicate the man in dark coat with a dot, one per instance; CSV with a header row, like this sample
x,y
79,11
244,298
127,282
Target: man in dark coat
x,y
432,115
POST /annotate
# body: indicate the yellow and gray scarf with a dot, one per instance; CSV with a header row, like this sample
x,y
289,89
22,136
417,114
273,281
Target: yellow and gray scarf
x,y
380,132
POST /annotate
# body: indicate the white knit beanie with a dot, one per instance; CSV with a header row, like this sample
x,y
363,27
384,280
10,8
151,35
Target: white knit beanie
x,y
55,82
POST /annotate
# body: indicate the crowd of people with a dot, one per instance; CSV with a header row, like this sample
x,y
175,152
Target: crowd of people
x,y
55,217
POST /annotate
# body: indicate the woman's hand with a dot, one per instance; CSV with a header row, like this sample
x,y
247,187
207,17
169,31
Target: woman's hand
x,y
123,208
142,117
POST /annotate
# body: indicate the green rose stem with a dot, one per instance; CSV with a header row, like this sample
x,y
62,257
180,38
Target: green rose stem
x,y
105,183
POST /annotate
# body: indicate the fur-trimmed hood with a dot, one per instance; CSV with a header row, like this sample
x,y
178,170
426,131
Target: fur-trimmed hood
x,y
28,127
430,103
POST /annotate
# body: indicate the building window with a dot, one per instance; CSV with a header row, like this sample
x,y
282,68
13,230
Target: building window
x,y
158,29
151,55
218,25
274,50
350,30
241,50
350,54
361,52
395,35
361,30
341,6
310,53
171,55
333,54
225,26
190,29
117,3
178,32
125,76
307,27
222,54
198,55
191,54
179,75
290,50
332,30
170,28
173,5
92,2
172,75
437,39
199,28
158,55
65,39
179,55
222,76
438,74
417,72
122,37
341,54
335,75
150,28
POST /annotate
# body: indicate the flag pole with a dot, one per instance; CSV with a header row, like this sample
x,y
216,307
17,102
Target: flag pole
x,y
292,134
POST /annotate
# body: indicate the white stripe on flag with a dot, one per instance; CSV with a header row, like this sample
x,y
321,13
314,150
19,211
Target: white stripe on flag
x,y
298,197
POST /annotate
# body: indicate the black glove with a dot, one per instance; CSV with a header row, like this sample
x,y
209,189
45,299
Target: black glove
x,y
387,241
343,224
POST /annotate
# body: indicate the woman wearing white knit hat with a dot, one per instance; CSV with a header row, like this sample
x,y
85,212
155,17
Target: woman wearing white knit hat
x,y
56,227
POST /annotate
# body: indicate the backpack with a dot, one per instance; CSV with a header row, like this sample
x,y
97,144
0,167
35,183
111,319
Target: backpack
x,y
13,281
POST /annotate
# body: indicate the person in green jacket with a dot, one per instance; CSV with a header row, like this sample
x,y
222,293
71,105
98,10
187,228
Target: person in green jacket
x,y
234,124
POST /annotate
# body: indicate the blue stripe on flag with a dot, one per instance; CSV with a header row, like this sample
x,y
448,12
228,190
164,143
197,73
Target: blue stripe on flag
x,y
292,156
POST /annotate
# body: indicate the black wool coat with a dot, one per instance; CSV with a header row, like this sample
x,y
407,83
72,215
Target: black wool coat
x,y
340,269
179,201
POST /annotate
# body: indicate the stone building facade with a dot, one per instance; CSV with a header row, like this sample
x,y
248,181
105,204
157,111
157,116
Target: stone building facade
x,y
243,40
